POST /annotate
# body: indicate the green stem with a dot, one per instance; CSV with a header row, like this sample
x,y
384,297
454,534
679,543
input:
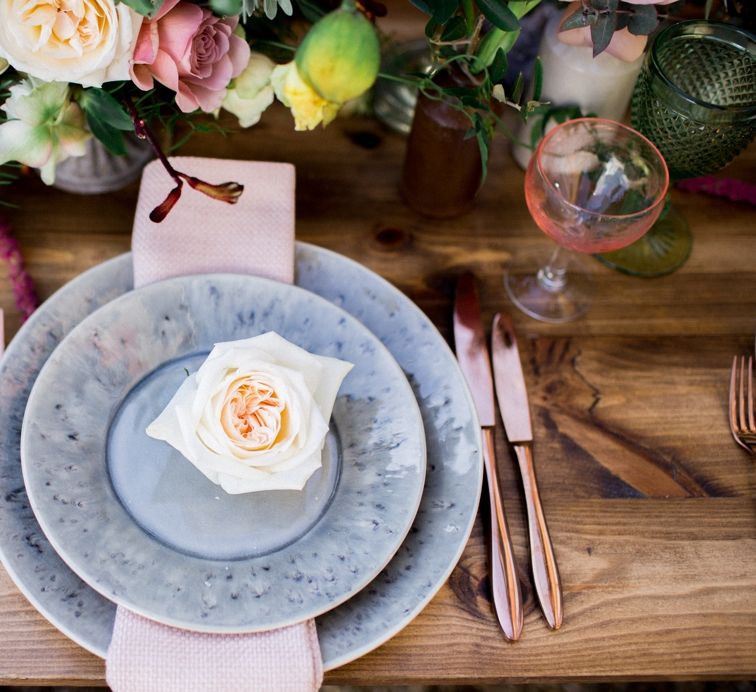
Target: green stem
x,y
275,44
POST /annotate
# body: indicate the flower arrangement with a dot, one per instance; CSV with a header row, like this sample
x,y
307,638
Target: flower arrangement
x,y
72,70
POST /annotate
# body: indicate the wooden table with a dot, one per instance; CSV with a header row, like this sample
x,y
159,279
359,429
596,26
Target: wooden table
x,y
650,503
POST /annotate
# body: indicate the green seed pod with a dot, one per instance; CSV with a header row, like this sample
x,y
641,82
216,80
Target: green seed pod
x,y
340,56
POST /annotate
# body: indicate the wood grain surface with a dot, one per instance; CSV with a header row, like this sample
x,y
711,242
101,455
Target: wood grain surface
x,y
650,503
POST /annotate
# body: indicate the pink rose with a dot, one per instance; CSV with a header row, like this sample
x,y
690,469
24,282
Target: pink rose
x,y
190,50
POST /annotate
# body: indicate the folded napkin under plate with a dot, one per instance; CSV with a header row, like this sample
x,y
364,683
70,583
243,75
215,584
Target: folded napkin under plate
x,y
440,530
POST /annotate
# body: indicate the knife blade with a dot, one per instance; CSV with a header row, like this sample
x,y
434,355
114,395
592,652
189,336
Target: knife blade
x,y
512,396
472,354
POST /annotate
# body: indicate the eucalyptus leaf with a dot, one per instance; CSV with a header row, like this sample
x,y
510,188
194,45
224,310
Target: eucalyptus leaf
x,y
643,21
622,21
499,14
147,8
602,31
271,8
610,5
579,19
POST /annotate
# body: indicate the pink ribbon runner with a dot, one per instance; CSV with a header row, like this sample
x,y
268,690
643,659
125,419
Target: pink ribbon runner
x,y
201,235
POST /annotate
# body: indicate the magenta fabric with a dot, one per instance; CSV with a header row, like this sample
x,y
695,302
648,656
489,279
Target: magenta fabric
x,y
201,235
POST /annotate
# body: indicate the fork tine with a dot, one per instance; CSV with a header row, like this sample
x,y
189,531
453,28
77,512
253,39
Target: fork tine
x,y
733,401
741,396
751,423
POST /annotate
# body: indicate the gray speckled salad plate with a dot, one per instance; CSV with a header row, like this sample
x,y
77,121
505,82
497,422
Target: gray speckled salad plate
x,y
439,531
145,528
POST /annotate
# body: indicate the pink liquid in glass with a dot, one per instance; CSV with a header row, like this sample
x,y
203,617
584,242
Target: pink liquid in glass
x,y
578,229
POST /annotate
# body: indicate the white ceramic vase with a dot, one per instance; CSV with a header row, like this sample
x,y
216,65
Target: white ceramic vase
x,y
572,76
99,171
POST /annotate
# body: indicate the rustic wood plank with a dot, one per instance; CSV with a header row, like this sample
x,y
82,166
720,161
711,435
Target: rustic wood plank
x,y
649,502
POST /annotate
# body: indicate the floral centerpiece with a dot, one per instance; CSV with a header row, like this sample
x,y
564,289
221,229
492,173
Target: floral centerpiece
x,y
73,70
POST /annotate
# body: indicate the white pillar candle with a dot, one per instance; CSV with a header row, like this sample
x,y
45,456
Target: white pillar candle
x,y
571,75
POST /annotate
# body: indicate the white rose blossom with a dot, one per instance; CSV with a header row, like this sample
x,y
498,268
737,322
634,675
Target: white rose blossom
x,y
87,42
255,415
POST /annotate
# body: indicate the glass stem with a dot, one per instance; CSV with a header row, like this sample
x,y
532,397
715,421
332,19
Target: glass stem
x,y
553,276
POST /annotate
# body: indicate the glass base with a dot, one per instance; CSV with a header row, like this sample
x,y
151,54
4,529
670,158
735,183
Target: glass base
x,y
665,248
534,297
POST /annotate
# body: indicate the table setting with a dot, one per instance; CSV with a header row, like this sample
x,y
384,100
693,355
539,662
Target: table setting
x,y
486,468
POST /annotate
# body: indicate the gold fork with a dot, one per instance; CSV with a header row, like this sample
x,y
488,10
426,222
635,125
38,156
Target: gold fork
x,y
742,419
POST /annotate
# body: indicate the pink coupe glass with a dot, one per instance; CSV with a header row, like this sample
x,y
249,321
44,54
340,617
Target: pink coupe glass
x,y
593,185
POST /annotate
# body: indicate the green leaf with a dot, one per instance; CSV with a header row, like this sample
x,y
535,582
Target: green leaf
x,y
518,88
443,10
537,79
422,6
111,137
99,104
602,31
431,27
707,8
483,146
469,12
499,66
579,19
310,10
147,8
499,14
226,8
455,29
610,5
521,7
643,21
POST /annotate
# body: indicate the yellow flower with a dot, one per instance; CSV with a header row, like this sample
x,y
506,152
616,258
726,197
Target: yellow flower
x,y
308,108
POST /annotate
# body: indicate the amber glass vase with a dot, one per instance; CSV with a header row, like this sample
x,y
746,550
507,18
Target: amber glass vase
x,y
442,170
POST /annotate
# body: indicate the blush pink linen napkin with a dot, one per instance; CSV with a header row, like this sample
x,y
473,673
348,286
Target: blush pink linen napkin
x,y
202,235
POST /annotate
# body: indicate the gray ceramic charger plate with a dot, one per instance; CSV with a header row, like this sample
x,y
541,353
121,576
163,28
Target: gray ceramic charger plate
x,y
441,527
146,529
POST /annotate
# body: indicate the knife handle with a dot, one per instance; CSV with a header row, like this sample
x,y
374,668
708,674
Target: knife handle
x,y
506,587
545,571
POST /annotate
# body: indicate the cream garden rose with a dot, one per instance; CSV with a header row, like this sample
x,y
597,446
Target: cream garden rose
x,y
255,415
86,42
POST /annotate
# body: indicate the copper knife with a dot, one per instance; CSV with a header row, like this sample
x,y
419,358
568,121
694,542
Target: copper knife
x,y
472,354
515,412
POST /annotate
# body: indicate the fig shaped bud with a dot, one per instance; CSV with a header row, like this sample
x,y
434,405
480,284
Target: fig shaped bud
x,y
340,56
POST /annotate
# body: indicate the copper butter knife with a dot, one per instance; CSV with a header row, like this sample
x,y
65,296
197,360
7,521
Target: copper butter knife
x,y
472,354
513,406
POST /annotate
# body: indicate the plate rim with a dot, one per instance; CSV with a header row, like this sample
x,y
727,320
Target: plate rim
x,y
360,584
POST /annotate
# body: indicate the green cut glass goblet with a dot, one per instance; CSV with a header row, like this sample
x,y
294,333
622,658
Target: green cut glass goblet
x,y
696,100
